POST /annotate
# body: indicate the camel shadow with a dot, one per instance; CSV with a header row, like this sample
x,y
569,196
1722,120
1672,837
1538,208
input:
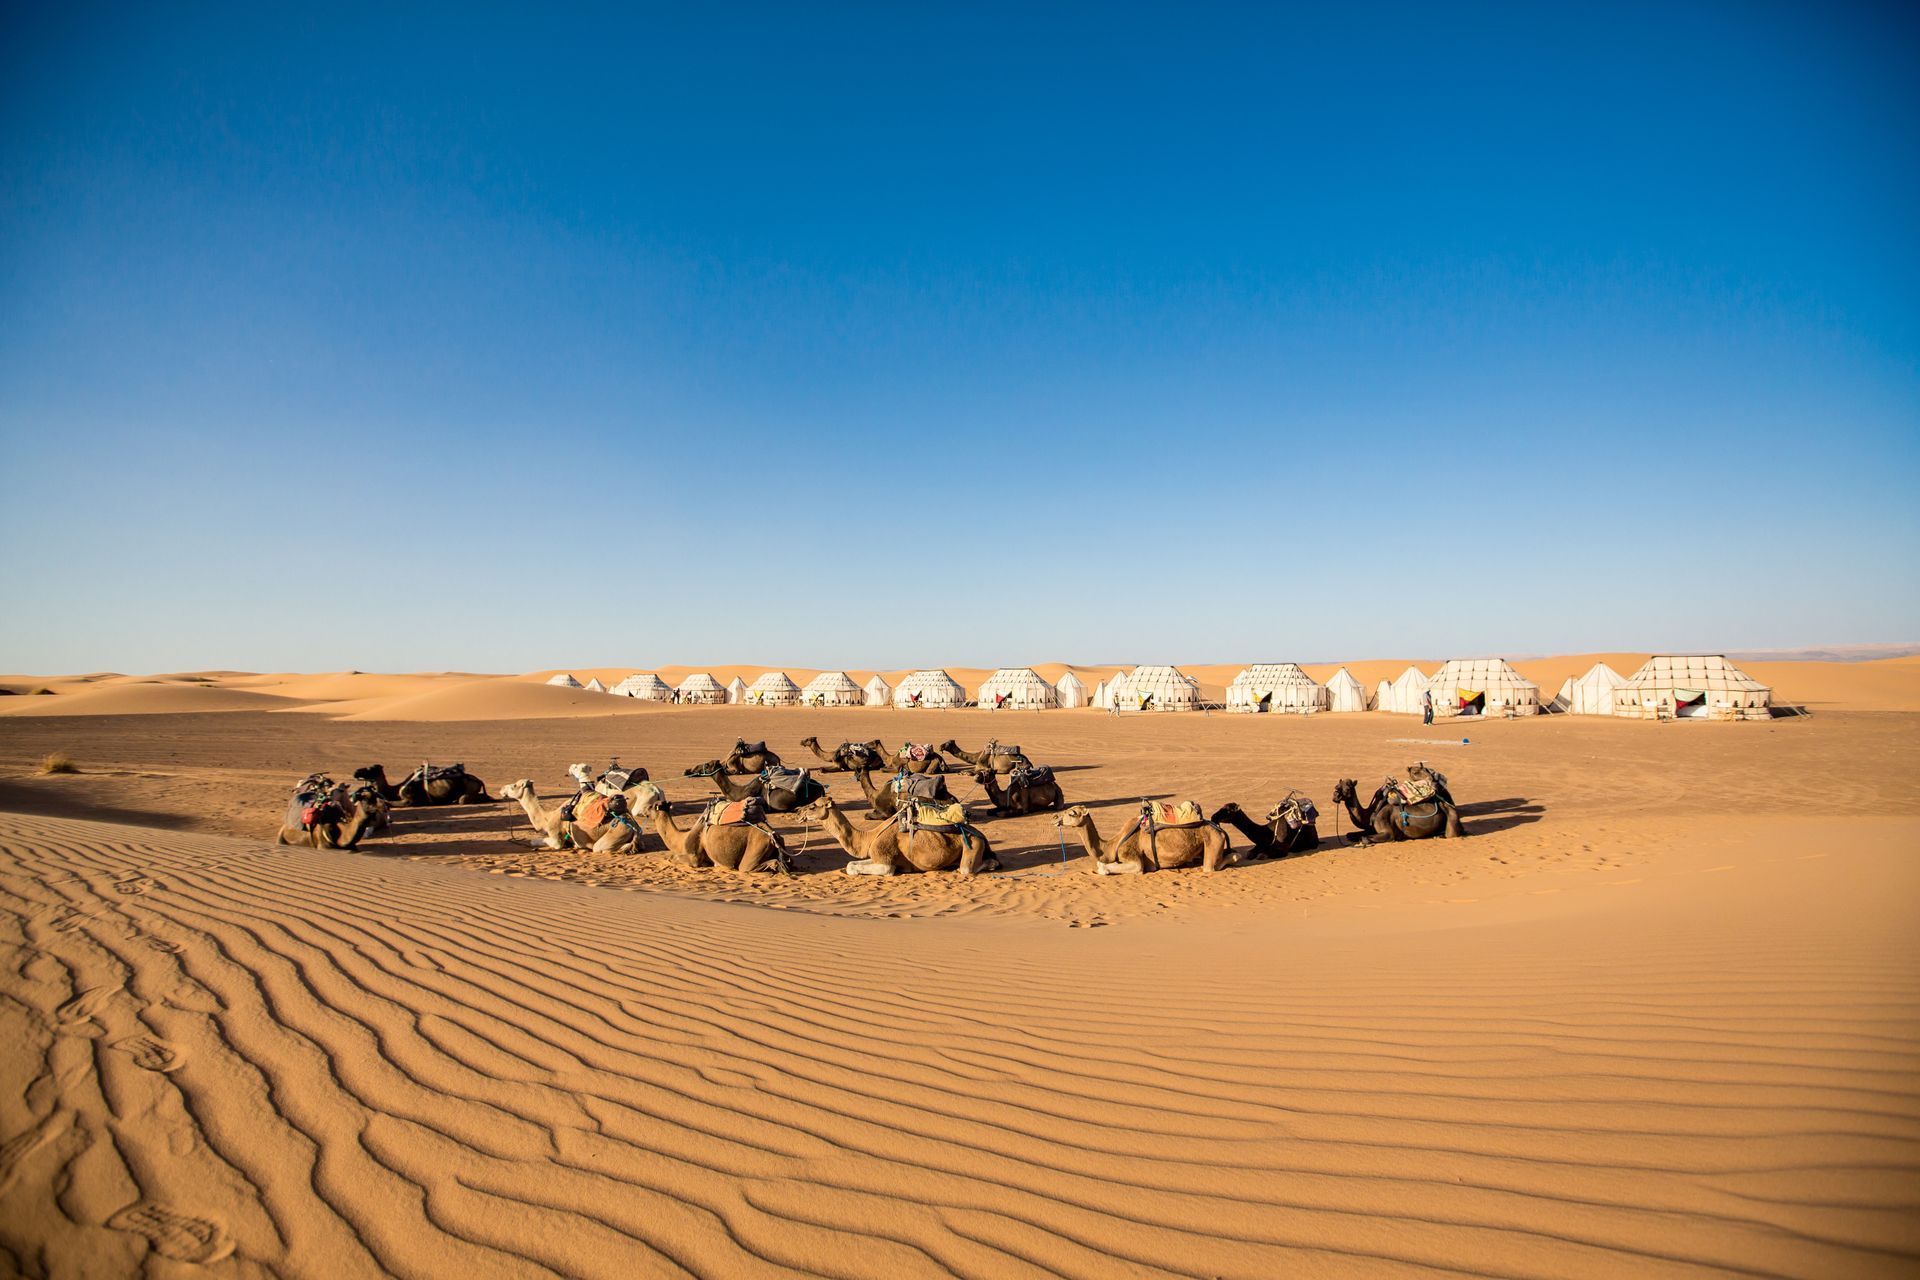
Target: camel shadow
x,y
1483,817
1122,801
1072,768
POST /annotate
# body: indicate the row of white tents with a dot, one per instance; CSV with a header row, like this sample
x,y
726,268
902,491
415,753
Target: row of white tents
x,y
1666,686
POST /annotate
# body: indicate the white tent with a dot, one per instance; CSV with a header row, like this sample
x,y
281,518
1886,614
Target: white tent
x,y
594,685
736,690
773,689
645,686
1283,686
879,692
1482,686
1344,693
929,689
1021,687
1402,694
1072,692
832,689
1590,694
1154,688
564,681
1100,697
1692,686
702,689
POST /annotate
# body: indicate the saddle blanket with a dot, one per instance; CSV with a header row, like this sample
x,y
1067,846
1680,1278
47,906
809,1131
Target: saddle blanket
x,y
917,750
1296,812
1034,776
1161,814
933,815
778,778
733,813
1002,749
745,748
439,771
920,786
589,810
1412,791
859,753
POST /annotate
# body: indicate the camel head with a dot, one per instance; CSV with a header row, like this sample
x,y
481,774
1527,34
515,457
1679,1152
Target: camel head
x,y
981,774
1225,811
817,810
711,769
810,742
517,790
581,774
1074,817
949,746
1345,790
371,773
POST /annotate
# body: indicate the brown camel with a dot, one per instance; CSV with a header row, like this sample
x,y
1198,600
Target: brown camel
x,y
778,799
884,798
888,850
453,785
1028,791
617,832
1000,757
849,756
1386,818
1135,852
742,846
1278,838
337,824
750,757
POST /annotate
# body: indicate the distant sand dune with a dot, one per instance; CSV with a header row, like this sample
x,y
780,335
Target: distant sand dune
x,y
142,699
350,1065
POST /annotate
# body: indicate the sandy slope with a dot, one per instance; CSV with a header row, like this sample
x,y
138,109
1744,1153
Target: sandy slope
x,y
259,1058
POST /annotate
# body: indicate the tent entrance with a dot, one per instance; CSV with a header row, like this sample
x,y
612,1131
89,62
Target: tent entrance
x,y
1472,703
1689,704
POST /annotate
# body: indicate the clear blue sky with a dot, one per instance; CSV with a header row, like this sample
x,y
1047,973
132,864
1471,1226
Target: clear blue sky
x,y
884,335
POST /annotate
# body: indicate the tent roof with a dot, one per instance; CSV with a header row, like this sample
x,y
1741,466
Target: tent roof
x,y
932,681
831,682
736,683
1479,674
774,682
879,684
699,682
564,680
1708,672
642,682
594,686
1015,676
1344,679
1274,675
1069,681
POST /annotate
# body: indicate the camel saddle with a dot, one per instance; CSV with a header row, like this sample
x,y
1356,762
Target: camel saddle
x,y
589,809
309,808
1034,775
933,815
1158,813
1002,749
780,778
1416,790
742,747
861,755
735,813
919,786
434,773
1296,811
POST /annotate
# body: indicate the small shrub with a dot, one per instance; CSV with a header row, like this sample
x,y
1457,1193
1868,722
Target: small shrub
x,y
58,762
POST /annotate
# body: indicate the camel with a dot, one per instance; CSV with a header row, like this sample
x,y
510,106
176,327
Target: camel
x,y
849,756
1274,840
888,850
776,799
337,826
448,786
884,798
928,763
749,757
1002,759
382,811
619,834
738,847
1021,796
1384,818
1133,853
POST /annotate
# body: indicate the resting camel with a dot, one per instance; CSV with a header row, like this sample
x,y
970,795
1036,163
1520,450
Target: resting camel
x,y
1020,797
749,757
1274,840
779,800
447,788
1002,759
883,799
849,756
1384,818
1133,853
341,830
740,847
620,779
887,850
617,834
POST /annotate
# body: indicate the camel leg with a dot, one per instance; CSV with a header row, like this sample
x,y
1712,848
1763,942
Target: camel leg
x,y
1130,864
871,867
1454,830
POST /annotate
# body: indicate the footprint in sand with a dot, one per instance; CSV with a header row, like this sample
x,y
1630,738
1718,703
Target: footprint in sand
x,y
149,1053
167,945
75,1017
134,882
175,1235
15,1150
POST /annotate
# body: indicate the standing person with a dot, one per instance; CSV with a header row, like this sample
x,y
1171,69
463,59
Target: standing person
x,y
1426,706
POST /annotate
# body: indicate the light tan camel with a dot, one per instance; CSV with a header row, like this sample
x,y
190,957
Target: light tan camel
x,y
356,820
741,847
887,850
559,831
1133,853
1002,759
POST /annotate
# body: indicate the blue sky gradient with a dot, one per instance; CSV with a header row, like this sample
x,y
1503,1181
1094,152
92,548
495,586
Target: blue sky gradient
x,y
356,339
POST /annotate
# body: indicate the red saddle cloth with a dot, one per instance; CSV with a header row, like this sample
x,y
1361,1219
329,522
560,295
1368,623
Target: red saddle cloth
x,y
732,813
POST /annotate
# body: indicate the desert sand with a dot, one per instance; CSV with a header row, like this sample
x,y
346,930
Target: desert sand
x,y
1658,1014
